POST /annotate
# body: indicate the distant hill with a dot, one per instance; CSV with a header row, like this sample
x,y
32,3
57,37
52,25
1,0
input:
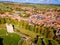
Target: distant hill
x,y
26,3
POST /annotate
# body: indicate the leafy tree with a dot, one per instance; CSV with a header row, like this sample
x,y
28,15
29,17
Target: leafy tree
x,y
50,33
22,23
2,20
37,28
39,41
3,33
11,39
46,41
20,42
54,42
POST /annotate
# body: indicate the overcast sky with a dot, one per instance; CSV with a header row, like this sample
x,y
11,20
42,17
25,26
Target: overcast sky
x,y
36,1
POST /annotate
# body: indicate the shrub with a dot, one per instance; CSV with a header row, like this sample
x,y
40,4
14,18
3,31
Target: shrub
x,y
11,39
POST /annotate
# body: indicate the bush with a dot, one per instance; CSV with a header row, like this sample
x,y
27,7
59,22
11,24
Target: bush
x,y
2,33
46,41
11,39
2,20
39,42
20,42
54,42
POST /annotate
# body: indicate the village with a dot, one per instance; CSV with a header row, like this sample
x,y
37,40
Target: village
x,y
49,17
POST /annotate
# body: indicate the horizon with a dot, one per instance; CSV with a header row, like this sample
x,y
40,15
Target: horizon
x,y
34,1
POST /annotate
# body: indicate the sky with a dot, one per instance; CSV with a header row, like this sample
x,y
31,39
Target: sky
x,y
36,1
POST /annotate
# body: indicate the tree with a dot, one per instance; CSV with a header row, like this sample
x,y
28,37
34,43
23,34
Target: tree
x,y
37,28
3,33
46,41
50,33
21,23
11,39
39,41
20,42
54,42
2,20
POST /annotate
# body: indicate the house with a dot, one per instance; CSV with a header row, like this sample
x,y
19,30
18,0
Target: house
x,y
9,28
